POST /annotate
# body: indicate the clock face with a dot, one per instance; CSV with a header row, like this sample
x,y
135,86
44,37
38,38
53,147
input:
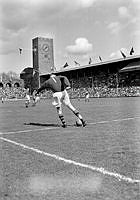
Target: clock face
x,y
45,47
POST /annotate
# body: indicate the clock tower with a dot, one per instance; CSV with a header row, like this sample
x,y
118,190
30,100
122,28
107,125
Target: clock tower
x,y
43,57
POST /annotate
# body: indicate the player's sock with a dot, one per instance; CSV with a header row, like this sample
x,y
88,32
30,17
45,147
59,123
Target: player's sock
x,y
80,117
64,125
83,123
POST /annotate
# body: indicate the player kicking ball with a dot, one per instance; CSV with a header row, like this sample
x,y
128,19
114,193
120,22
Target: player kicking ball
x,y
59,86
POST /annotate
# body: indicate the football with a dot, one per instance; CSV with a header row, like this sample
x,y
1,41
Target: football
x,y
78,122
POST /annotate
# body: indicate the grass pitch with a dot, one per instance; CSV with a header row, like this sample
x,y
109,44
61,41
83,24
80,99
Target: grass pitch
x,y
41,160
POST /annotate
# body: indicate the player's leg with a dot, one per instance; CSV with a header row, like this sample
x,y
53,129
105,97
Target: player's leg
x,y
61,116
88,98
67,102
57,103
27,102
76,112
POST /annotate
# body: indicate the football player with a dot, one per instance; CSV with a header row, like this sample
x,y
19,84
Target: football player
x,y
59,86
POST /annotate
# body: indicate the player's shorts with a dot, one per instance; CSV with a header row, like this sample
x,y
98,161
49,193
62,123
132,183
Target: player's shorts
x,y
60,98
87,96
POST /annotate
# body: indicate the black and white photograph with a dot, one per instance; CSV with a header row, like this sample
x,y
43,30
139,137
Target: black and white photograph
x,y
69,99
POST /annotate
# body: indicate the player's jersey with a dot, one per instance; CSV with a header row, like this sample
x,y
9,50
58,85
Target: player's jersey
x,y
55,83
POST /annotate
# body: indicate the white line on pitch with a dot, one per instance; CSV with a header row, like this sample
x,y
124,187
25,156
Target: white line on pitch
x,y
28,130
51,128
115,120
68,161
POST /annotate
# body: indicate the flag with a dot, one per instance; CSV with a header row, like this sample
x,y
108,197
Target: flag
x,y
76,63
131,51
20,50
66,65
90,61
100,58
124,56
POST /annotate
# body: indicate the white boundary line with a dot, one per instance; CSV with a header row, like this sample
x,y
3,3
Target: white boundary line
x,y
115,120
28,130
68,161
51,128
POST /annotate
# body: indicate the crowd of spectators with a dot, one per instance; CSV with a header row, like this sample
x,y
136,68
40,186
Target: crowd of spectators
x,y
12,93
105,91
96,92
99,86
99,92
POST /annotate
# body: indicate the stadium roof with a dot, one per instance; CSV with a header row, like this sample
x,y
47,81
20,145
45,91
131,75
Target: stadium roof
x,y
130,68
121,60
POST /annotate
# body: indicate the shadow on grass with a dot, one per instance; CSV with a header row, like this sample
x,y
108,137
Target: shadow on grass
x,y
47,124
42,124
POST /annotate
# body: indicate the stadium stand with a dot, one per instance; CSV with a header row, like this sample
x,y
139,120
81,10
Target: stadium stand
x,y
101,80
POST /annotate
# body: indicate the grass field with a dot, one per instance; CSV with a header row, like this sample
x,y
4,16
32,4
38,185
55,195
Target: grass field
x,y
40,160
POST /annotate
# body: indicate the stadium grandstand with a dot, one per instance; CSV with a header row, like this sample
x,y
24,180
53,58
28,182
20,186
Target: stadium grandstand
x,y
120,77
115,78
108,73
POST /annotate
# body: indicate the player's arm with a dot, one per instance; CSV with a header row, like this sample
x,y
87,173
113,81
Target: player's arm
x,y
43,87
67,84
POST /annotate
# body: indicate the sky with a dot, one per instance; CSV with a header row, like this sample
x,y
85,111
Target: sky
x,y
81,29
